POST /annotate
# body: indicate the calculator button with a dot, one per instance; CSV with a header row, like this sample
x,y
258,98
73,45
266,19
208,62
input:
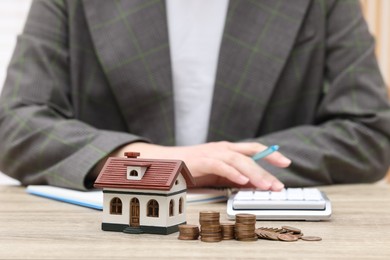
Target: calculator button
x,y
294,194
261,195
281,195
312,194
244,195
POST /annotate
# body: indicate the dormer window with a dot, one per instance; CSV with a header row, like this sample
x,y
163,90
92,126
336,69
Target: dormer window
x,y
136,170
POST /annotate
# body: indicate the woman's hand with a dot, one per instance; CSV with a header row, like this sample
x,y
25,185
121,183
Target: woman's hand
x,y
217,163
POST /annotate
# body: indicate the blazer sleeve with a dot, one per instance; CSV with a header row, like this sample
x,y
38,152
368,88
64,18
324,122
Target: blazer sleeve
x,y
41,141
350,139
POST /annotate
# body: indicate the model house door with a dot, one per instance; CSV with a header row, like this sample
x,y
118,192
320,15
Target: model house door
x,y
134,212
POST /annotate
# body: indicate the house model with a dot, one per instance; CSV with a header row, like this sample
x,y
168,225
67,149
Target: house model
x,y
143,195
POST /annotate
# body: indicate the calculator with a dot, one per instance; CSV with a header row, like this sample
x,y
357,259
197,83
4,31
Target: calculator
x,y
289,204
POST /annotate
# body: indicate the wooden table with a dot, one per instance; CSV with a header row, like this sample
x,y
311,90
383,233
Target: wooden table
x,y
37,228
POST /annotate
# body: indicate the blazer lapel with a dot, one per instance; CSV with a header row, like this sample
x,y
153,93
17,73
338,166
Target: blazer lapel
x,y
257,41
131,41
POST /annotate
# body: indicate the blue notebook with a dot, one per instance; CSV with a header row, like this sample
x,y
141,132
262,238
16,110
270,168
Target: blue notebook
x,y
94,199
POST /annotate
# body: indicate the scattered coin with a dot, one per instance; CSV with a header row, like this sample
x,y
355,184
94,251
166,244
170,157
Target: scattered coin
x,y
266,234
299,235
277,230
287,237
292,229
311,238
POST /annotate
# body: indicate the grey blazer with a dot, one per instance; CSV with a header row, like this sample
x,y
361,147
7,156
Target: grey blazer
x,y
88,76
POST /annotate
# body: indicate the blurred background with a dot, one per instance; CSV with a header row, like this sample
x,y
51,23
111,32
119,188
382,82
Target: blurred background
x,y
13,15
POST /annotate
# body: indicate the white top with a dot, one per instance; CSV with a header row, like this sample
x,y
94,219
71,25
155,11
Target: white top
x,y
195,33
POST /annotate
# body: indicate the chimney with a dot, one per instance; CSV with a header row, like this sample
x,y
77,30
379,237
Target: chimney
x,y
132,154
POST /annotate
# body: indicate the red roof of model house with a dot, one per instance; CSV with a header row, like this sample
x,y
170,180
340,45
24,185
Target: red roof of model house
x,y
159,175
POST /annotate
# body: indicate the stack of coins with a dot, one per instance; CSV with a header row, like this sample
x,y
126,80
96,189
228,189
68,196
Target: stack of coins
x,y
208,218
245,227
243,230
227,231
211,233
210,227
188,232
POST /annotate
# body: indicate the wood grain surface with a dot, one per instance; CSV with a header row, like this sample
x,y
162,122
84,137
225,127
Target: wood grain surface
x,y
37,228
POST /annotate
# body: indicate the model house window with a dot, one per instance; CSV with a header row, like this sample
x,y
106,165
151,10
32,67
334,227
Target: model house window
x,y
176,182
116,206
152,208
171,208
134,173
180,205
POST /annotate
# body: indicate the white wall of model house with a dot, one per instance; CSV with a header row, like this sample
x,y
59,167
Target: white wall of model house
x,y
164,220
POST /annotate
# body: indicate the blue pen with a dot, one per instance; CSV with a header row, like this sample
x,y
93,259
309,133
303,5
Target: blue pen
x,y
265,153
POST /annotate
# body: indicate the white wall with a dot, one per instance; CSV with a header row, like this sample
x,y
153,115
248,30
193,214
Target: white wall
x,y
12,18
164,220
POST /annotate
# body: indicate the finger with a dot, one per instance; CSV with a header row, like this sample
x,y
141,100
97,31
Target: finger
x,y
272,182
220,168
277,159
277,186
248,149
249,168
